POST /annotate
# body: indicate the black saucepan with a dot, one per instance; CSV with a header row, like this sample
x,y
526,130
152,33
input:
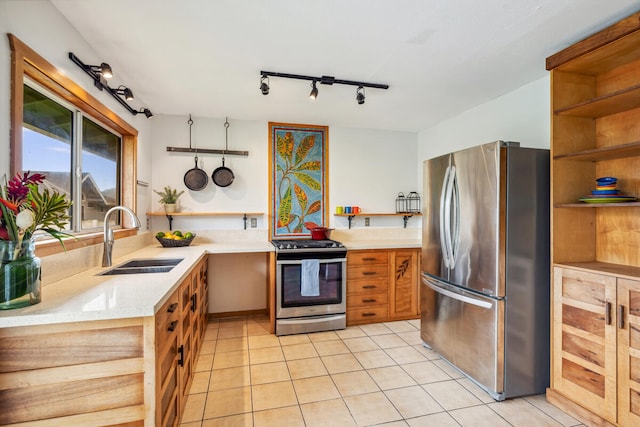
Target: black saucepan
x,y
222,176
195,178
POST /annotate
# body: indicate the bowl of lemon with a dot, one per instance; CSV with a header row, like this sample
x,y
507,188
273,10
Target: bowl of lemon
x,y
174,239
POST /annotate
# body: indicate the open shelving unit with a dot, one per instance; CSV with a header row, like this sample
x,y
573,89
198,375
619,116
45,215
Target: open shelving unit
x,y
170,215
405,216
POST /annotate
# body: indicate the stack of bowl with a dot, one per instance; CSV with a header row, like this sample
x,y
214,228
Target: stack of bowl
x,y
606,186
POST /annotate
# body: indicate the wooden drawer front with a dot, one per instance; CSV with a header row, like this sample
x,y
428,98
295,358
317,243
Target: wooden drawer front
x,y
368,299
371,285
367,258
367,315
367,272
168,312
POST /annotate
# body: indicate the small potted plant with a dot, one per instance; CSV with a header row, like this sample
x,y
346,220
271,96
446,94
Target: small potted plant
x,y
169,198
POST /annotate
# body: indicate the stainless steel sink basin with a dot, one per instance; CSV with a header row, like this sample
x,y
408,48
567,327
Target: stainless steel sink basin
x,y
143,266
151,262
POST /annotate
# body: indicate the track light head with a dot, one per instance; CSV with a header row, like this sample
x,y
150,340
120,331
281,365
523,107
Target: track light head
x,y
103,70
124,91
314,90
360,95
264,85
148,114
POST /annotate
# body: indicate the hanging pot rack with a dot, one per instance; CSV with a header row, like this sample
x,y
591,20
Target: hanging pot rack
x,y
207,151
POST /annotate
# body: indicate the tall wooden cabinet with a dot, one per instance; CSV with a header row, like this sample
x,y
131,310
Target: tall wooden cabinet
x,y
595,132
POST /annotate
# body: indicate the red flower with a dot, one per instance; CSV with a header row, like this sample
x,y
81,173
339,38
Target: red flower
x,y
4,234
18,186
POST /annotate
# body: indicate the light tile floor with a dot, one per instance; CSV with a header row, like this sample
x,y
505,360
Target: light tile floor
x,y
377,374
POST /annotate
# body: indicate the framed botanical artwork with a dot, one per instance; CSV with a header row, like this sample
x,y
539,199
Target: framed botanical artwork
x,y
298,179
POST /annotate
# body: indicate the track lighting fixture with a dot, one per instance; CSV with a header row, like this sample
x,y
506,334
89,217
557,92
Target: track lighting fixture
x,y
360,95
325,80
264,86
99,74
148,114
123,91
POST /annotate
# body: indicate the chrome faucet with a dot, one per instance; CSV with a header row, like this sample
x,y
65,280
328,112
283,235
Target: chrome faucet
x,y
108,233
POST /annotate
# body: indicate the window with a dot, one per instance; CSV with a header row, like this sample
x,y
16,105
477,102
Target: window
x,y
55,120
51,147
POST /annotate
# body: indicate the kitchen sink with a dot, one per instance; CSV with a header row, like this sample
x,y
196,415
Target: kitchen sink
x,y
143,266
151,262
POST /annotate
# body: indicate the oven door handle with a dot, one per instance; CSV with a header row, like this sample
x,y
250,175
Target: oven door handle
x,y
299,261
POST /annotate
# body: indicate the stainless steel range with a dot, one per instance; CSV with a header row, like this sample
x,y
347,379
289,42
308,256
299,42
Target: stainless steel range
x,y
311,292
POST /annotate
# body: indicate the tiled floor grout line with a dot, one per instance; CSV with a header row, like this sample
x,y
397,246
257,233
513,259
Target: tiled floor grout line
x,y
385,345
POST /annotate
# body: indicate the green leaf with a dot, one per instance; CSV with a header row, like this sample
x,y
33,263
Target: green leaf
x,y
284,146
307,180
309,166
284,210
303,148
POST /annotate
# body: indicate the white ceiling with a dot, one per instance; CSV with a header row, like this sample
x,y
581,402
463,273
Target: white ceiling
x,y
439,57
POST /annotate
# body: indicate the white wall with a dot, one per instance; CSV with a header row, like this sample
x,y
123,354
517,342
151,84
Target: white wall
x,y
521,115
367,168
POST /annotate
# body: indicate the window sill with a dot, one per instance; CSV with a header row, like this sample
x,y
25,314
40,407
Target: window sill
x,y
51,246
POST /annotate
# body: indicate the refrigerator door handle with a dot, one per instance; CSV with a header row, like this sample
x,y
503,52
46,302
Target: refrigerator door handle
x,y
449,199
455,295
442,224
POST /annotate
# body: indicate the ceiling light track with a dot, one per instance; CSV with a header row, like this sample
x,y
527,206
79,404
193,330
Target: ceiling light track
x,y
100,74
325,80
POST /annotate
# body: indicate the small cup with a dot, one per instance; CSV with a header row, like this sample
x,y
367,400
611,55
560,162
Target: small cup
x,y
355,209
339,210
347,209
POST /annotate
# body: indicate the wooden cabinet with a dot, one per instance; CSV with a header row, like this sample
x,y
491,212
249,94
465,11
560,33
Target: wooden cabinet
x,y
382,285
167,373
595,248
596,340
180,327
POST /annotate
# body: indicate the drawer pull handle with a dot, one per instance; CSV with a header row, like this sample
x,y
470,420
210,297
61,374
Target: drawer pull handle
x,y
369,287
368,273
368,314
172,326
368,259
607,313
621,317
172,307
181,360
369,300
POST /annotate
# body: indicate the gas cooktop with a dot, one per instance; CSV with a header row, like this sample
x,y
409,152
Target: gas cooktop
x,y
305,244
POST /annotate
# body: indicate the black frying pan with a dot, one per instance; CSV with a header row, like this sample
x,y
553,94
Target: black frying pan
x,y
195,178
223,176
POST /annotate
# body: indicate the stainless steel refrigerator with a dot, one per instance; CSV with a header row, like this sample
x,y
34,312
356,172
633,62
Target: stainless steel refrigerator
x,y
484,291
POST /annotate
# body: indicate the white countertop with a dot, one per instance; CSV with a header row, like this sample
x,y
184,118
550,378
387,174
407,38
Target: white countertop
x,y
88,297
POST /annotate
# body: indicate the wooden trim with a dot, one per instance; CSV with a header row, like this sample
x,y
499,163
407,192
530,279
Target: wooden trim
x,y
575,410
237,313
52,246
26,62
595,41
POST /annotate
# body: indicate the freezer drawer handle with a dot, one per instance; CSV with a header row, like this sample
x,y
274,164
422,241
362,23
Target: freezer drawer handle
x,y
456,296
607,313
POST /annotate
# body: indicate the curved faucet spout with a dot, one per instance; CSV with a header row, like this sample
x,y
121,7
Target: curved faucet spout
x,y
108,233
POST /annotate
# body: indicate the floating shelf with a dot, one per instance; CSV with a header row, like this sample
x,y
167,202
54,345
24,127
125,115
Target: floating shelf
x,y
603,153
405,215
596,205
170,215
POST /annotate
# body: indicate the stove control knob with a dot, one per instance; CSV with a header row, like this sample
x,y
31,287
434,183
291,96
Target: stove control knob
x,y
295,246
288,246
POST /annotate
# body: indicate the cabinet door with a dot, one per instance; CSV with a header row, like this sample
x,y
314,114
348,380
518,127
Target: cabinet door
x,y
584,340
403,285
628,352
185,356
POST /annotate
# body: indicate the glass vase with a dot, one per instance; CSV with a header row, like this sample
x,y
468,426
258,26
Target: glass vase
x,y
19,274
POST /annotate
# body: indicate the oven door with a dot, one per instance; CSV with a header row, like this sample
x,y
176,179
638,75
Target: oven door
x,y
332,287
